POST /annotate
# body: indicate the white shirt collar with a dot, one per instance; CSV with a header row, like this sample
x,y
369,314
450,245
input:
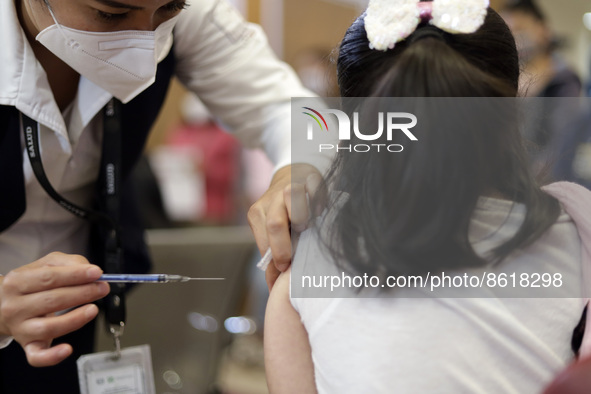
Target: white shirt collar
x,y
24,84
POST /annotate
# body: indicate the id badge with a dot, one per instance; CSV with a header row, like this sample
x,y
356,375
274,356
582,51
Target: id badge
x,y
131,373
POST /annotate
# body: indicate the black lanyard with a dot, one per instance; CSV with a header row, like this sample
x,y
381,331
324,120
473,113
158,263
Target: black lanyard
x,y
110,182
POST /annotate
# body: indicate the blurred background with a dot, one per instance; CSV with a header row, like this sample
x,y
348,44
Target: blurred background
x,y
198,183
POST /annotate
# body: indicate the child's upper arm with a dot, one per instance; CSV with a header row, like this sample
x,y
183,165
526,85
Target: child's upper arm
x,y
288,357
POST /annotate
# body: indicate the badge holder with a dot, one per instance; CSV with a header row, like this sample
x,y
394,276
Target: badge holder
x,y
123,371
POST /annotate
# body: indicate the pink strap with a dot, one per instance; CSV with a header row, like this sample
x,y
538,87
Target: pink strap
x,y
576,201
425,10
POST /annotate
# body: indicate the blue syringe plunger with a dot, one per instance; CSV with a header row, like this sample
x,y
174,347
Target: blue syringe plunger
x,y
148,278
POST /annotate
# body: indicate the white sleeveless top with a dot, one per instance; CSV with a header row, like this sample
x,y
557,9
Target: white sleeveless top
x,y
450,345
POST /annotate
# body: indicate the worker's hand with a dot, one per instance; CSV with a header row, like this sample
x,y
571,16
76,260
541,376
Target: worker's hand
x,y
30,296
283,207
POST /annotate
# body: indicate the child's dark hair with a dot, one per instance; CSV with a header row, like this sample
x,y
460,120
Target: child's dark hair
x,y
406,211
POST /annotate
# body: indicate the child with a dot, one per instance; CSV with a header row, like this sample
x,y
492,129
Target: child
x,y
432,202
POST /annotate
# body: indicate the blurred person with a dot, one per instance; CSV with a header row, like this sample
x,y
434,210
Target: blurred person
x,y
544,74
456,199
573,161
198,168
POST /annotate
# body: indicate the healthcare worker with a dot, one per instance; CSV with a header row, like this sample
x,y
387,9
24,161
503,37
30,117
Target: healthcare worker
x,y
81,83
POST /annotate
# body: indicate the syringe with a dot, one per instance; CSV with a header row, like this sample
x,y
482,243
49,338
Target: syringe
x,y
148,278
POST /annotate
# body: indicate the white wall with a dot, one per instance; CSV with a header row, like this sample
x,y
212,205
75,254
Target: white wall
x,y
272,22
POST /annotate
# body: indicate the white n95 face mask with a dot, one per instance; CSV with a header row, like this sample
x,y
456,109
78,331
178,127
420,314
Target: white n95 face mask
x,y
121,62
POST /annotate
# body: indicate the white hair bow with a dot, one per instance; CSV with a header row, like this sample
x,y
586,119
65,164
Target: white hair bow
x,y
390,21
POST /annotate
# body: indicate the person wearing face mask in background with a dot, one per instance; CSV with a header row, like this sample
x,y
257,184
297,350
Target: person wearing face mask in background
x,y
71,69
544,74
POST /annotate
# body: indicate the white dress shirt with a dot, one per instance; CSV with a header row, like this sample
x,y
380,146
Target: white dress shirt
x,y
224,60
221,58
